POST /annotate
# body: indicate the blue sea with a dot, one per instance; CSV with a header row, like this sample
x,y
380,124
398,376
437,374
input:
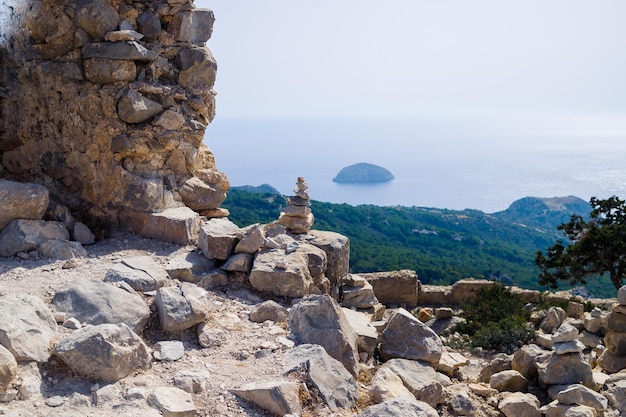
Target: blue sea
x,y
437,162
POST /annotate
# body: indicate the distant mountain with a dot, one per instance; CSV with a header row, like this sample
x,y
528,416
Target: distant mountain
x,y
363,173
263,188
545,213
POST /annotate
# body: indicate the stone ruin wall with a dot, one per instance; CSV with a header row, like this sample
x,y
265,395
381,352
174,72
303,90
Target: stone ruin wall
x,y
105,102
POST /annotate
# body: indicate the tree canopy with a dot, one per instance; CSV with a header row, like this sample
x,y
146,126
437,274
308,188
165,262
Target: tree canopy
x,y
595,247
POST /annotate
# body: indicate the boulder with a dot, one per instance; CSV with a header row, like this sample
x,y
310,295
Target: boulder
x,y
96,302
518,404
387,385
179,225
511,381
181,307
367,335
190,266
460,400
553,320
420,379
523,360
277,397
27,327
319,320
611,363
108,352
269,310
199,195
252,241
592,323
81,233
133,107
25,235
218,238
142,273
615,392
408,338
239,262
337,249
590,340
579,394
569,368
336,385
61,249
172,402
575,310
280,273
22,201
195,26
395,288
401,406
8,369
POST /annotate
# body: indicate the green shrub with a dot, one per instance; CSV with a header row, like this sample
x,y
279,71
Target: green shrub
x,y
496,320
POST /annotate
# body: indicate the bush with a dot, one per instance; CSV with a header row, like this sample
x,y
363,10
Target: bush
x,y
496,320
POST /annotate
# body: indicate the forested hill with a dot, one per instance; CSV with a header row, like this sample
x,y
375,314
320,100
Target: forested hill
x,y
443,246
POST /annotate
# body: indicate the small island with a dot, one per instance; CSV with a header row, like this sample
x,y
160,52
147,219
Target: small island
x,y
363,173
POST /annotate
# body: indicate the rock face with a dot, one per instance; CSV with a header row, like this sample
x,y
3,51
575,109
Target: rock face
x,y
106,104
363,173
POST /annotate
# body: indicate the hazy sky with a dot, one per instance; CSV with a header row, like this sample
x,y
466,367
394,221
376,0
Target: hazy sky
x,y
418,57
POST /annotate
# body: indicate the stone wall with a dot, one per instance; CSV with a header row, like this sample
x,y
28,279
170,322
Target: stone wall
x,y
105,102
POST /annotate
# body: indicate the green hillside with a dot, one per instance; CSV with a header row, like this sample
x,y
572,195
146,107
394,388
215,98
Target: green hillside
x,y
442,246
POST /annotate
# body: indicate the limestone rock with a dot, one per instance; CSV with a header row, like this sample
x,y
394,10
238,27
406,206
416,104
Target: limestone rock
x,y
460,400
517,404
621,295
450,362
553,320
149,25
277,397
575,310
367,335
27,327
555,409
590,340
420,379
193,382
181,307
335,384
198,68
140,272
61,249
239,262
401,406
119,51
282,274
358,294
194,26
190,266
81,233
408,338
523,360
570,368
565,333
319,320
123,35
511,381
252,242
172,402
178,225
25,235
22,201
568,347
8,369
611,363
169,350
133,107
96,302
170,120
387,385
579,394
592,323
396,288
467,289
337,249
198,195
269,310
218,238
499,363
107,351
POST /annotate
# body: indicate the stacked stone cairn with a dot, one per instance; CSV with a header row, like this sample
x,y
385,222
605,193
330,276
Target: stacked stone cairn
x,y
297,217
613,359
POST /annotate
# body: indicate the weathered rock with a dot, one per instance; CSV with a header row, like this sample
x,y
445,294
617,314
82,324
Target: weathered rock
x,y
319,320
553,320
408,338
169,350
277,397
523,360
27,327
396,288
8,369
252,242
190,267
178,225
425,314
460,401
96,302
192,25
81,233
611,363
283,274
499,363
140,272
107,394
193,382
202,69
335,384
149,25
269,310
467,289
61,249
387,385
569,368
357,293
97,17
590,340
337,249
450,362
511,381
568,347
517,404
592,323
133,107
579,394
172,402
107,351
615,392
207,338
107,71
621,295
367,335
565,333
198,195
575,310
555,409
22,201
420,379
443,313
401,406
25,235
218,238
181,307
239,262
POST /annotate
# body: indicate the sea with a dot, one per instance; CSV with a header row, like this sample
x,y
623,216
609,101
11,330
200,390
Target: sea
x,y
437,162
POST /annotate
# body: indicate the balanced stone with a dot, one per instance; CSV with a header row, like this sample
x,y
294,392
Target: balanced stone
x,y
297,217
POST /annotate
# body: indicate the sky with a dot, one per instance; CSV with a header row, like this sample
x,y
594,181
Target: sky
x,y
449,58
